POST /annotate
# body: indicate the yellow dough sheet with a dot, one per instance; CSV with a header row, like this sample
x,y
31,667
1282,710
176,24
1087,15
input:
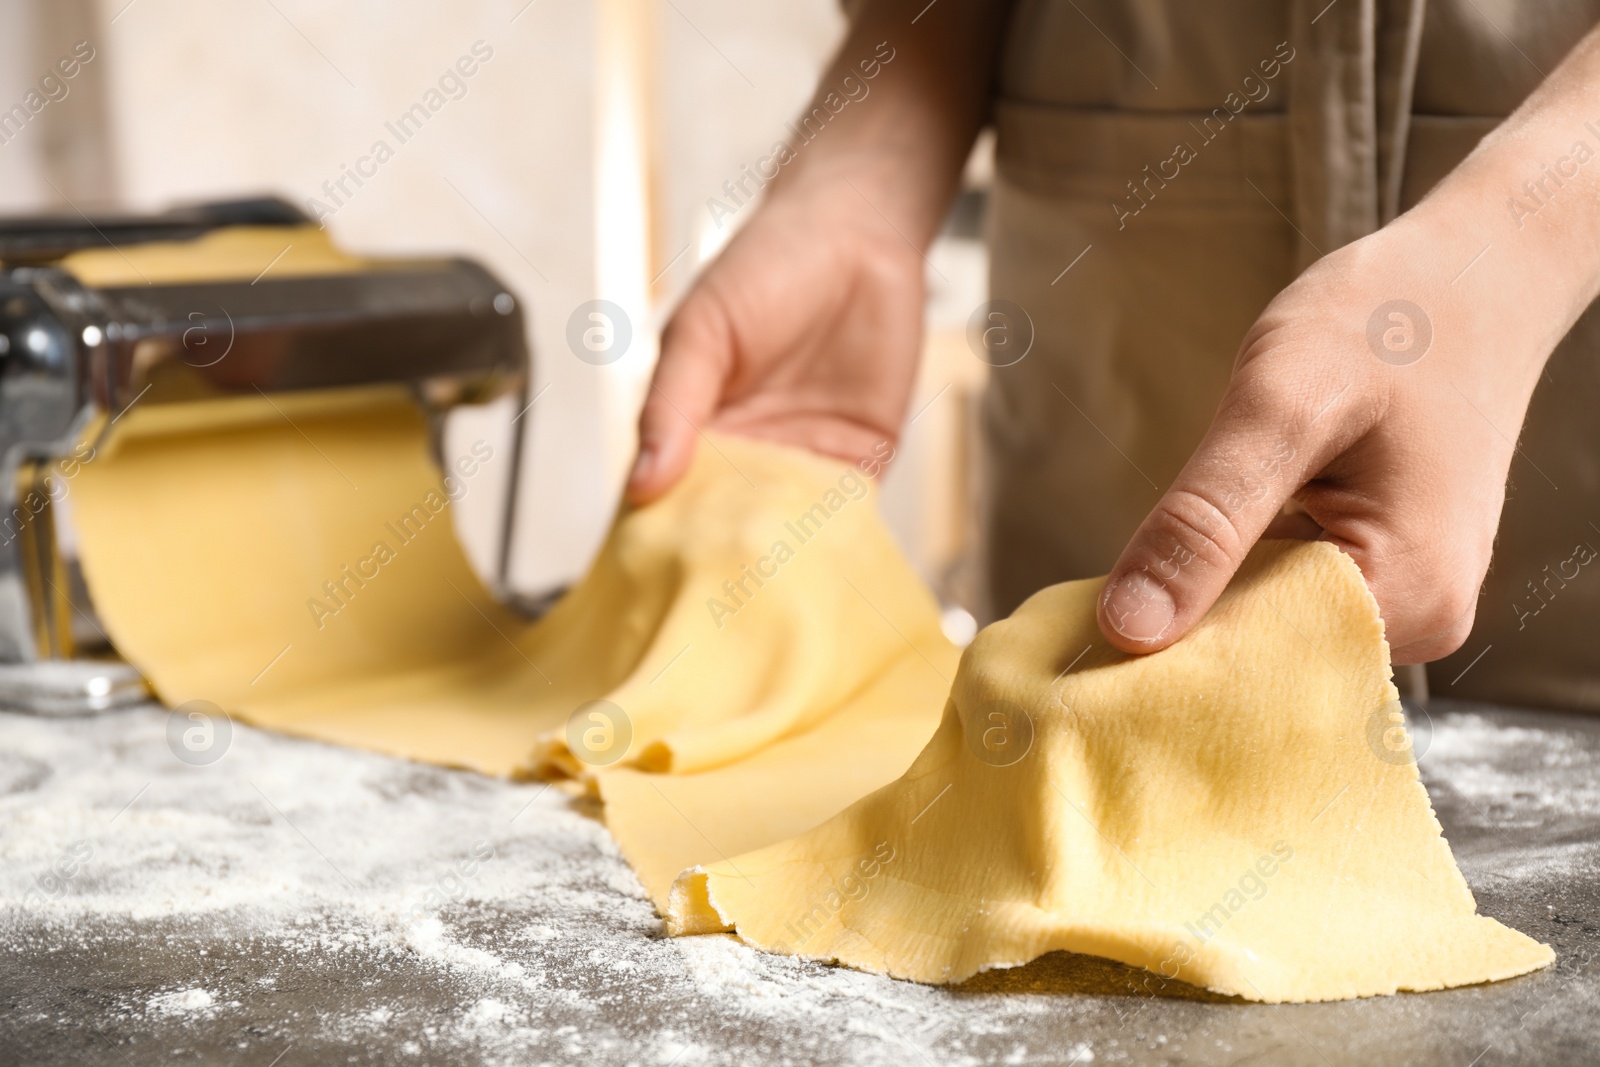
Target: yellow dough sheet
x,y
666,822
297,567
1231,811
749,665
237,253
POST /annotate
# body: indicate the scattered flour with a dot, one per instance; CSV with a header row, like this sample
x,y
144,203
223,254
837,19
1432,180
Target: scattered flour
x,y
313,855
181,1002
1491,764
291,858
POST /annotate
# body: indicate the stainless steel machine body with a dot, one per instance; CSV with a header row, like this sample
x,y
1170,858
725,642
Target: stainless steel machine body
x,y
74,356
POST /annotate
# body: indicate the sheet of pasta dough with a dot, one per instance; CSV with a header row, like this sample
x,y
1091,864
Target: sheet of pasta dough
x,y
235,252
768,657
666,822
1239,811
292,561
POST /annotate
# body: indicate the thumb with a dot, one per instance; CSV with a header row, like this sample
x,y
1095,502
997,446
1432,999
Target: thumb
x,y
696,353
1191,544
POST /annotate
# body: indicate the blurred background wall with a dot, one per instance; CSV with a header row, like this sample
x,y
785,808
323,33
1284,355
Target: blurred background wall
x,y
577,161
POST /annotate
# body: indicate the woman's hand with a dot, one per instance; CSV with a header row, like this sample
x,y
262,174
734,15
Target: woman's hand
x,y
806,330
1381,394
1383,401
808,327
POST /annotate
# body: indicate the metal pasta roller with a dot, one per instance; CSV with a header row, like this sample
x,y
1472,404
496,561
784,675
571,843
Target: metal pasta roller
x,y
100,314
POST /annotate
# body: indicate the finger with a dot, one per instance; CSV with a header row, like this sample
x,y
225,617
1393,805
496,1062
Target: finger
x,y
1292,525
1186,550
695,357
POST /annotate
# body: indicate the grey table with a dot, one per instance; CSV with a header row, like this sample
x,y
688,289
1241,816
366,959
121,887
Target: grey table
x,y
295,903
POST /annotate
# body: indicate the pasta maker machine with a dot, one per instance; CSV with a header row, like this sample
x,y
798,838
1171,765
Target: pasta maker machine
x,y
76,353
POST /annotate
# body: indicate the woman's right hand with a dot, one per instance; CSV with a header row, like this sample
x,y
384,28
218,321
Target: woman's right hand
x,y
806,330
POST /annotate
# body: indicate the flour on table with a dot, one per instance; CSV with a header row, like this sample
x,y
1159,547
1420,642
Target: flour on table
x,y
547,951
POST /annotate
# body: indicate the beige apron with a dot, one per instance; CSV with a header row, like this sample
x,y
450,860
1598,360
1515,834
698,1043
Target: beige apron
x,y
1340,116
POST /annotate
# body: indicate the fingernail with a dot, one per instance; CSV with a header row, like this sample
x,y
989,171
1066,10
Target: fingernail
x,y
1139,608
643,465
